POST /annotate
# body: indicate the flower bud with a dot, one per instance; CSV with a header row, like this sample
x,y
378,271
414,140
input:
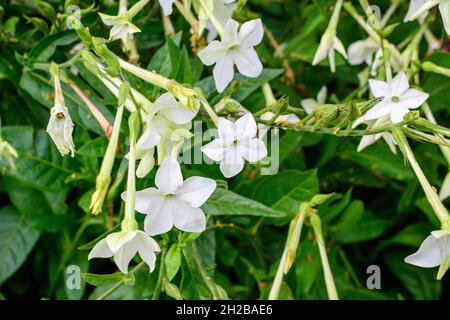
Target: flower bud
x,y
431,67
319,199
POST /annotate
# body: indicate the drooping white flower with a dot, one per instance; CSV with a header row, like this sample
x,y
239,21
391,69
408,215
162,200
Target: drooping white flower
x,y
368,140
223,10
419,7
414,5
433,252
310,104
165,111
122,28
328,43
362,51
236,142
398,98
174,202
235,48
124,245
60,128
166,5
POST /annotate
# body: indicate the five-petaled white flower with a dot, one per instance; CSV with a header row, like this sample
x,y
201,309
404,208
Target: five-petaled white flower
x,y
434,251
398,98
418,8
174,202
236,142
124,245
166,5
60,128
122,27
165,111
235,48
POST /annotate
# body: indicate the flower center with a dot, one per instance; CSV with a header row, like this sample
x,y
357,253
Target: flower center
x,y
395,99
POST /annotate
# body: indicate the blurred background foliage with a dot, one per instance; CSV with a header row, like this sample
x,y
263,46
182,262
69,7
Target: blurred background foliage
x,y
378,215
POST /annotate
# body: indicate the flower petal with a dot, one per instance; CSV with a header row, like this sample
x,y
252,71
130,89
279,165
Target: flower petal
x,y
413,98
117,240
251,33
398,113
429,254
379,88
309,105
147,247
223,72
444,193
378,111
247,62
147,200
367,141
252,150
227,130
246,127
124,255
230,33
444,8
212,53
215,150
166,5
178,114
168,177
399,84
187,218
166,100
160,221
232,163
196,190
100,250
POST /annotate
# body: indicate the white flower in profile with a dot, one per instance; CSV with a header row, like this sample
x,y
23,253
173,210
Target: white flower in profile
x,y
398,98
166,5
235,48
165,111
328,44
236,142
122,28
223,10
60,128
434,251
419,7
174,202
362,51
124,245
368,140
310,104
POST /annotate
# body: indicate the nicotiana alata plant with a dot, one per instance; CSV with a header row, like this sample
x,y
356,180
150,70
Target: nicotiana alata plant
x,y
183,139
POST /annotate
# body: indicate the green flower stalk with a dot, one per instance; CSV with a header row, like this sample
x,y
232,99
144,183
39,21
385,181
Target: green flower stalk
x,y
429,66
129,219
329,280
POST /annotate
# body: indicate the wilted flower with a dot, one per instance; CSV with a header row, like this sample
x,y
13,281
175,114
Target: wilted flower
x,y
60,128
398,98
235,48
236,142
419,7
174,202
433,252
124,245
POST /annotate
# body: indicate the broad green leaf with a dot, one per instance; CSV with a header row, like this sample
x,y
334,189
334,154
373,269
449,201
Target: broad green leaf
x,y
17,239
173,261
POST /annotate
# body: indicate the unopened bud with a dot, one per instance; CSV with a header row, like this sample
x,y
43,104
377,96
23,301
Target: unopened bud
x,y
431,67
319,199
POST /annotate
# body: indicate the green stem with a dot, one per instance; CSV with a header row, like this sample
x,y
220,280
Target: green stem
x,y
217,25
158,287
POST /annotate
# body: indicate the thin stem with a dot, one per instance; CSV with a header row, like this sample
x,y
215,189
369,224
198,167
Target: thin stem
x,y
103,122
167,24
335,16
430,193
209,110
114,288
131,178
217,25
187,15
158,287
444,149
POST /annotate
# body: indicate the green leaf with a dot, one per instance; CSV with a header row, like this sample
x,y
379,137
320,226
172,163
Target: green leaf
x,y
46,47
173,261
367,229
17,239
226,202
98,280
172,290
94,148
10,25
308,266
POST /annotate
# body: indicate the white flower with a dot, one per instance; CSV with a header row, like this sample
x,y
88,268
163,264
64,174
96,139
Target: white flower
x,y
124,245
419,7
362,51
122,28
398,98
444,193
165,111
237,141
283,119
433,252
174,202
310,104
223,10
235,48
166,5
368,140
414,5
328,43
60,127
